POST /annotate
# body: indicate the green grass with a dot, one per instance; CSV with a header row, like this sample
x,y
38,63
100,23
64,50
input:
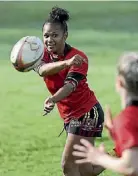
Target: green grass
x,y
29,145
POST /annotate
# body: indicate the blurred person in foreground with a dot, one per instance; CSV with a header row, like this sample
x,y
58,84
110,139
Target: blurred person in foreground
x,y
123,128
64,69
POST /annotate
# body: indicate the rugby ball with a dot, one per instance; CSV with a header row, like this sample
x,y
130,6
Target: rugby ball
x,y
26,52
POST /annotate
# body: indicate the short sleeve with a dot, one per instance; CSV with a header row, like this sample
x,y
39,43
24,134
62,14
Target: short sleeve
x,y
126,135
74,78
77,74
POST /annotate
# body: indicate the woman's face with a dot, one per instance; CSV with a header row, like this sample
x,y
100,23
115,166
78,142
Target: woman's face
x,y
54,37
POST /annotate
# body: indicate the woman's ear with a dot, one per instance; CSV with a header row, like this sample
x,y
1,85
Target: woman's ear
x,y
65,36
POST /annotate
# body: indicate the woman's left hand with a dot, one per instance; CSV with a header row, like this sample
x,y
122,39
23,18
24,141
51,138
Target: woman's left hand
x,y
48,106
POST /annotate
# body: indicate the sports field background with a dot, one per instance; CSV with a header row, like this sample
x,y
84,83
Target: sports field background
x,y
29,145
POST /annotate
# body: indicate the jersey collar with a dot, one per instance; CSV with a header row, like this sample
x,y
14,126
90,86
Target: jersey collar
x,y
56,57
132,103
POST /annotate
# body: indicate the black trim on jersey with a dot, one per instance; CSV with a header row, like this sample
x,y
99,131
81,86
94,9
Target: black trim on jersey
x,y
132,103
74,77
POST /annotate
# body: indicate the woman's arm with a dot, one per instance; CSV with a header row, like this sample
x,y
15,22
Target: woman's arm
x,y
123,165
59,95
127,164
46,69
70,84
62,92
52,68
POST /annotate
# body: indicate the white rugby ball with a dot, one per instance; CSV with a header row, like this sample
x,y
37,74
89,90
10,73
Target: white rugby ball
x,y
26,52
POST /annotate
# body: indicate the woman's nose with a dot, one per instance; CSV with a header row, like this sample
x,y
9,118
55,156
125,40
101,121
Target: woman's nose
x,y
50,39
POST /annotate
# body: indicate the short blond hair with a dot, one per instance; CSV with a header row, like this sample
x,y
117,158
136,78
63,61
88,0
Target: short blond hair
x,y
128,68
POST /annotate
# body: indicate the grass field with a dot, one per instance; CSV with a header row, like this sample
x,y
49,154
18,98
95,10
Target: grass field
x,y
29,145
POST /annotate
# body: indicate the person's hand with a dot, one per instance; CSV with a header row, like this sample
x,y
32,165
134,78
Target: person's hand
x,y
48,106
108,118
76,60
35,66
87,153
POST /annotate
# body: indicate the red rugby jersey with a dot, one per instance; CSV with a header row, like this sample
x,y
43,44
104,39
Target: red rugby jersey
x,y
82,99
125,129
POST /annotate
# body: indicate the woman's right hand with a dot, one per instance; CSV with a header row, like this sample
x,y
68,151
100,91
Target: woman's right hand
x,y
76,60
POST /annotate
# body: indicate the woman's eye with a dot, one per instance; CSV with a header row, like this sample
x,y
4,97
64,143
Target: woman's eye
x,y
54,35
46,36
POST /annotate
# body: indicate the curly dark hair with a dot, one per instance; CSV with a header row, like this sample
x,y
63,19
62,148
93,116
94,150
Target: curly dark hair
x,y
60,16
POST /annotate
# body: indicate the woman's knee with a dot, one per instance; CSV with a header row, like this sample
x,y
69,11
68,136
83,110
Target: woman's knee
x,y
86,169
90,170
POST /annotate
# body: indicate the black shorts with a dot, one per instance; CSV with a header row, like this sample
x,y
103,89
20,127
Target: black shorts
x,y
88,125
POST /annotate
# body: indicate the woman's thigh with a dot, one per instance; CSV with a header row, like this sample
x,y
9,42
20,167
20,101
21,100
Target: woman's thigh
x,y
88,127
71,140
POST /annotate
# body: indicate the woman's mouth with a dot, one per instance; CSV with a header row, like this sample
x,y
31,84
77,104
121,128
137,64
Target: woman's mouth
x,y
50,46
